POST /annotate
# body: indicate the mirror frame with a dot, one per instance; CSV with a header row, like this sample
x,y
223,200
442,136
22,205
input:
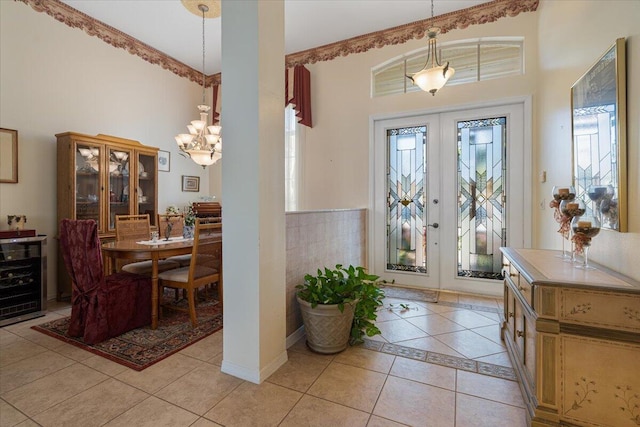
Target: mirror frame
x,y
603,85
9,145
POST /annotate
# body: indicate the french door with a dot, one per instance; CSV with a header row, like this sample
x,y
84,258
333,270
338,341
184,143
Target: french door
x,y
448,192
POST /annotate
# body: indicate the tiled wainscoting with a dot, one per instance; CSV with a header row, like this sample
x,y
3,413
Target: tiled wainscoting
x,y
316,239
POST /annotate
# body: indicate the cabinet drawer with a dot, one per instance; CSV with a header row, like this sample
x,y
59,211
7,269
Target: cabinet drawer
x,y
600,309
509,309
519,329
511,273
526,290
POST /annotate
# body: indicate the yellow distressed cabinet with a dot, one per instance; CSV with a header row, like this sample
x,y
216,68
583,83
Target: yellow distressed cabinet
x,y
100,177
573,337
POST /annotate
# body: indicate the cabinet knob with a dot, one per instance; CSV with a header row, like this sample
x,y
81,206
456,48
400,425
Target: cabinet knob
x,y
519,333
521,288
510,314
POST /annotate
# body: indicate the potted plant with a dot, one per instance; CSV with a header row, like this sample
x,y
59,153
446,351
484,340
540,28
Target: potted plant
x,y
339,307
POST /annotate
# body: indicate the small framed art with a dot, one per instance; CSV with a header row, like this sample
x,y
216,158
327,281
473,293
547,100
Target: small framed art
x,y
8,156
190,183
164,161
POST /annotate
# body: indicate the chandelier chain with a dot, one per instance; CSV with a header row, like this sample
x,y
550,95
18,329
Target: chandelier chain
x,y
203,9
203,143
431,79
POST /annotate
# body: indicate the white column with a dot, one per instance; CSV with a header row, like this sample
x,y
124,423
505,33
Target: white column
x,y
253,188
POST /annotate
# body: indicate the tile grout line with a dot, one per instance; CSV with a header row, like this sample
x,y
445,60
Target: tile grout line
x,y
470,365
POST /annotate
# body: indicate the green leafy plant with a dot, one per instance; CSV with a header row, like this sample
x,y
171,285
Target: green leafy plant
x,y
346,285
189,216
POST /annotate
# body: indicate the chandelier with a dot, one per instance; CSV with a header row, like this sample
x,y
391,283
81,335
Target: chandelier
x,y
434,78
203,143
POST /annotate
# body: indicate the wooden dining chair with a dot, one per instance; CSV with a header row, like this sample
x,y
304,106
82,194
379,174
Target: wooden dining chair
x,y
175,221
205,268
132,227
137,228
176,229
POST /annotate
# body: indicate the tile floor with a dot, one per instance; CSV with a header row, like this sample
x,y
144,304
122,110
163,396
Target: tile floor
x,y
434,365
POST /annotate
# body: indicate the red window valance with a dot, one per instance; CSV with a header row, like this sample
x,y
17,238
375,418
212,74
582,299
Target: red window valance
x,y
298,85
301,98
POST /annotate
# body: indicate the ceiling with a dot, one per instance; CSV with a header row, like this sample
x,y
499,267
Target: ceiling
x,y
169,27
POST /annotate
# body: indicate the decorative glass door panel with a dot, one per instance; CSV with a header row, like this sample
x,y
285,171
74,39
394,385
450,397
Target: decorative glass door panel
x,y
481,209
118,191
88,163
406,237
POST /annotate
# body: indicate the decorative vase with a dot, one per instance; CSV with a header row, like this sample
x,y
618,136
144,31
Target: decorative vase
x,y
562,194
327,328
585,228
187,231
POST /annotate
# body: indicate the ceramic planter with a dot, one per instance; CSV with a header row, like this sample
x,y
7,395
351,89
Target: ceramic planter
x,y
326,327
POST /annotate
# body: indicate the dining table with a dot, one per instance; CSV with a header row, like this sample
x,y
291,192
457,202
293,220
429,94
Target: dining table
x,y
146,250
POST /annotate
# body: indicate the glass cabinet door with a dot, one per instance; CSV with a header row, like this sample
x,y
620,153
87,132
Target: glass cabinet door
x,y
87,160
147,186
118,185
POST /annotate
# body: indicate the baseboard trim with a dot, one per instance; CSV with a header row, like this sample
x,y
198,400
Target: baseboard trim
x,y
253,375
295,337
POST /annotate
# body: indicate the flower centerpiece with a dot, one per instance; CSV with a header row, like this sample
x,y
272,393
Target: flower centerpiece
x,y
172,210
189,222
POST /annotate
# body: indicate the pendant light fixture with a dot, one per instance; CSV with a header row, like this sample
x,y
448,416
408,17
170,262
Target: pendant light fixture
x,y
431,79
203,143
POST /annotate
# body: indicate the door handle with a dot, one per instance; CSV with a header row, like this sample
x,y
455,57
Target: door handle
x,y
434,225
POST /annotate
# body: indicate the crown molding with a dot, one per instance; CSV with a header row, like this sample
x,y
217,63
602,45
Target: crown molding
x,y
480,14
116,38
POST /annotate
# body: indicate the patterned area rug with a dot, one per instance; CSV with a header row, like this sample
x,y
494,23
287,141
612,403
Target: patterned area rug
x,y
140,348
425,295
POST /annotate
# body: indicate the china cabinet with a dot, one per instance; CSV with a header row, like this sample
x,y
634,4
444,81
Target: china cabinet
x,y
23,278
573,336
100,177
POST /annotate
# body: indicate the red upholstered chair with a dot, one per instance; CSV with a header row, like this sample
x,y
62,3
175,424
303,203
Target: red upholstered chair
x,y
102,306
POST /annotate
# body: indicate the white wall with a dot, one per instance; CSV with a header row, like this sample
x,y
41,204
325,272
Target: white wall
x,y
572,35
337,147
54,79
562,39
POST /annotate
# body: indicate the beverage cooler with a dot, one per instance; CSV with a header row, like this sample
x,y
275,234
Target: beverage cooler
x,y
23,278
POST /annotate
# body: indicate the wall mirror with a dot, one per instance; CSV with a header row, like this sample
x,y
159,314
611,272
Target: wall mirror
x,y
8,156
598,106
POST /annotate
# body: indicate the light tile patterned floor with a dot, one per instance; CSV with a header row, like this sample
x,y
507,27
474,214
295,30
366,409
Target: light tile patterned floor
x,y
440,365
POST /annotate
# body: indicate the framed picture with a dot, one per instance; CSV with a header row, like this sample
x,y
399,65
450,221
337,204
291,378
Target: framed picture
x,y
190,183
9,156
164,161
599,125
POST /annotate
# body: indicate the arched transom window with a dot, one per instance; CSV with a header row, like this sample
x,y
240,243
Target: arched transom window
x,y
473,60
